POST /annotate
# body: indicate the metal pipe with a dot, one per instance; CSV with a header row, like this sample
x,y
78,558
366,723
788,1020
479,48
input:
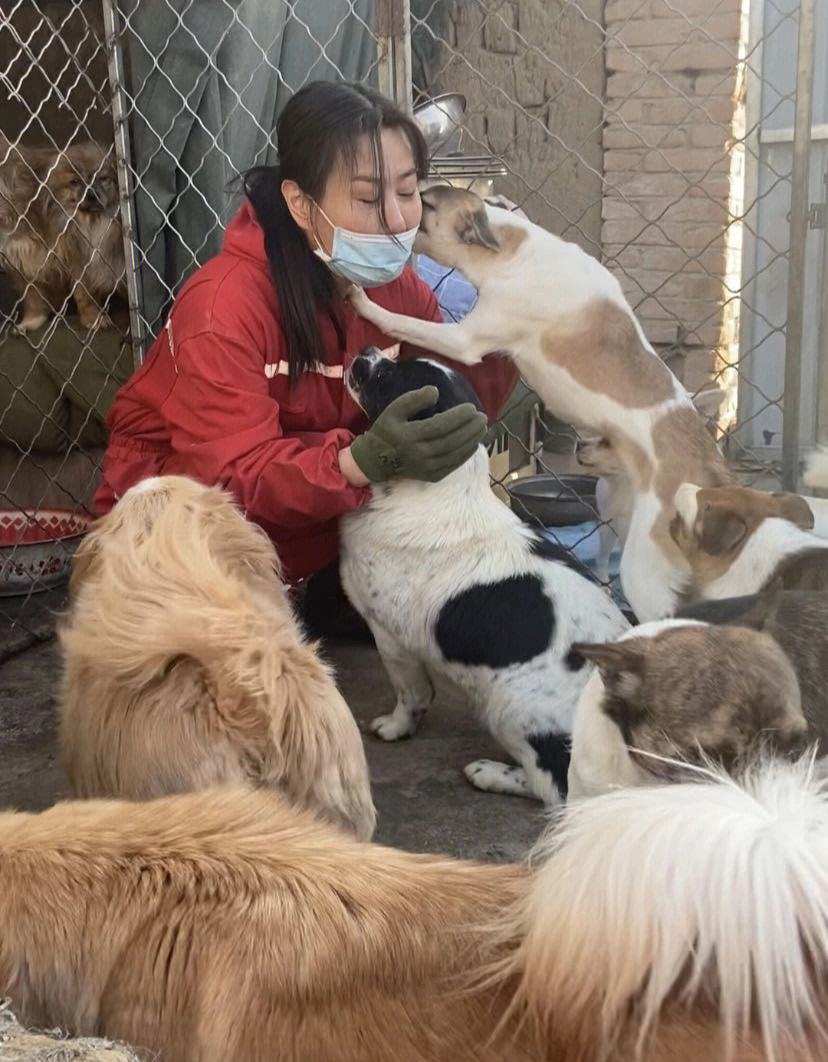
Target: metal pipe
x,y
822,349
798,236
392,24
115,62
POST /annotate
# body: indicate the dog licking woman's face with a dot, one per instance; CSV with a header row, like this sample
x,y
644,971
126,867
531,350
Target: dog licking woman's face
x,y
351,199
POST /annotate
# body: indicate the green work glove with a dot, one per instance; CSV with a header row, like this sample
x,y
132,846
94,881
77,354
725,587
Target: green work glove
x,y
396,445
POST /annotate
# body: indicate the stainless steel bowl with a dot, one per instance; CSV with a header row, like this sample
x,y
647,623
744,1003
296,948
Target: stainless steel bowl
x,y
556,501
441,119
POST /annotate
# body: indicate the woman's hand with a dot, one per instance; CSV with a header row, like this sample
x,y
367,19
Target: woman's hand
x,y
397,445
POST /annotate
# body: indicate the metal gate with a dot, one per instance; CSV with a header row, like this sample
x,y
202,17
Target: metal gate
x,y
651,132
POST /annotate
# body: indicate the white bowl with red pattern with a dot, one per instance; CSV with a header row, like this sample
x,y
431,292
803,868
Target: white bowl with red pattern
x,y
36,547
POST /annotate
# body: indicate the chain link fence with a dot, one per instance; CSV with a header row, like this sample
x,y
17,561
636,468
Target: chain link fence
x,y
661,135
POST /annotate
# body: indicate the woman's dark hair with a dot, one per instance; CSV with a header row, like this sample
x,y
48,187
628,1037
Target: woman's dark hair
x,y
319,128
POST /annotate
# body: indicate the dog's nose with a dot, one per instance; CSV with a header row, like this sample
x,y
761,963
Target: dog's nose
x,y
368,358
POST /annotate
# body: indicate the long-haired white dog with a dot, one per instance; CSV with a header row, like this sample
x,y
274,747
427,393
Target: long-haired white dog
x,y
678,924
563,319
183,665
453,583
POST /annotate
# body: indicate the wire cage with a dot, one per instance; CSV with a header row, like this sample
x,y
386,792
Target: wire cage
x,y
683,144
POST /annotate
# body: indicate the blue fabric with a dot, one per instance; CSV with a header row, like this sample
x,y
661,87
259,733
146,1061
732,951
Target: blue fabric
x,y
455,295
583,540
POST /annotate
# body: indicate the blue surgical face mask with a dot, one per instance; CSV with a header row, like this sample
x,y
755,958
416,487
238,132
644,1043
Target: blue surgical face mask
x,y
367,259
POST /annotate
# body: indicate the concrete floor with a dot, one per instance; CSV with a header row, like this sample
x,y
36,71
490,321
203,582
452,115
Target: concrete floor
x,y
423,800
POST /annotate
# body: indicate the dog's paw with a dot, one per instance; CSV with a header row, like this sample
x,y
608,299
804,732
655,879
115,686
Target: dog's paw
x,y
31,322
393,727
358,299
96,322
497,777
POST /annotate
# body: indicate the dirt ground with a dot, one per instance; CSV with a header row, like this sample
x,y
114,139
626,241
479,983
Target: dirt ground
x,y
423,800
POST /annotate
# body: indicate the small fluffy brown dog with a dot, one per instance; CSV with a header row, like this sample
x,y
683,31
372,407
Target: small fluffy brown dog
x,y
677,692
60,232
184,666
798,621
25,256
683,923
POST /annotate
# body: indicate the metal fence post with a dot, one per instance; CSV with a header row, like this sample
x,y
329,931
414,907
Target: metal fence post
x,y
392,25
115,63
799,233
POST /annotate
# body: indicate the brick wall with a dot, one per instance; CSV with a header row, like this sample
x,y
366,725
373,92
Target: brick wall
x,y
533,76
671,97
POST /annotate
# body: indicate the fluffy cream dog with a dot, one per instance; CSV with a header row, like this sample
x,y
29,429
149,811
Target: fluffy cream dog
x,y
687,923
184,666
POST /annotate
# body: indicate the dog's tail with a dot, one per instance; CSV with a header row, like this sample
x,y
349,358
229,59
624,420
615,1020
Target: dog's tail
x,y
816,469
174,595
712,893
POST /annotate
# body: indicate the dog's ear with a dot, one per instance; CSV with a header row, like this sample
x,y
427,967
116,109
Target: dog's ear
x,y
719,530
708,400
474,228
797,510
621,664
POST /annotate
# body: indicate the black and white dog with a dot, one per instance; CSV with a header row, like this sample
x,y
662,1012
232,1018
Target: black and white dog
x,y
452,582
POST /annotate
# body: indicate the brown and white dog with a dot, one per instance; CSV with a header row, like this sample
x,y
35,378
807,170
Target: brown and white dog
x,y
60,231
614,494
25,256
562,317
223,925
677,692
739,541
798,621
183,665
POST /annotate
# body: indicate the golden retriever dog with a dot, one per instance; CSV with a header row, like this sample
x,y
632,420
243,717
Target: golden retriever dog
x,y
183,665
687,923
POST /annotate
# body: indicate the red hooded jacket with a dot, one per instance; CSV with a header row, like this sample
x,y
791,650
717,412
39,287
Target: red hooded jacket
x,y
212,400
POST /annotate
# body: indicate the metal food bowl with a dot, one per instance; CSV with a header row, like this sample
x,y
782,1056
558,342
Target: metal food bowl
x,y
440,119
555,501
36,547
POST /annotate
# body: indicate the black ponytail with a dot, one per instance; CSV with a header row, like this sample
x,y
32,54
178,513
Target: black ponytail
x,y
305,286
319,128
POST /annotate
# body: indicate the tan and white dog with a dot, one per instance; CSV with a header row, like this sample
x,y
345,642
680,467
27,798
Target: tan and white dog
x,y
614,494
739,541
675,693
683,923
183,665
815,474
563,319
